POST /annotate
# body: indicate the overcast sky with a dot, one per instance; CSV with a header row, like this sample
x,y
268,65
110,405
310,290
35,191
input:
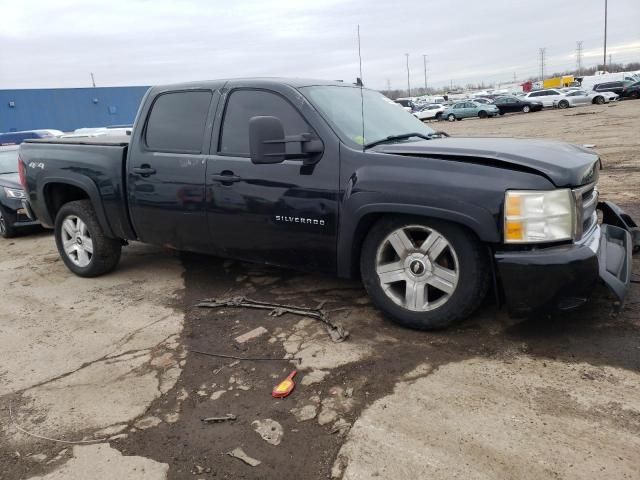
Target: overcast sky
x,y
57,43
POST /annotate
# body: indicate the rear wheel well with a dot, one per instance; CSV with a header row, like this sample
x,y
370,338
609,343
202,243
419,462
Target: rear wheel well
x,y
369,220
58,194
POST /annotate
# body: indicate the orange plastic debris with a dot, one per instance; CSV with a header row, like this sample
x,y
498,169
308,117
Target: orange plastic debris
x,y
285,387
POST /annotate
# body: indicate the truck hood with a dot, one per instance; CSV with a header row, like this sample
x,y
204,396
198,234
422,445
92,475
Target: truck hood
x,y
11,180
564,164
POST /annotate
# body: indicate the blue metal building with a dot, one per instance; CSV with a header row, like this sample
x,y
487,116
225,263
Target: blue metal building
x,y
68,108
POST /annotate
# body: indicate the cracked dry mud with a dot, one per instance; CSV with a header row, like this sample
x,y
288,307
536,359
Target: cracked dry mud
x,y
489,398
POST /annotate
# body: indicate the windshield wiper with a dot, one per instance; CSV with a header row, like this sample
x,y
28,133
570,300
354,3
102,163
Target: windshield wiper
x,y
404,136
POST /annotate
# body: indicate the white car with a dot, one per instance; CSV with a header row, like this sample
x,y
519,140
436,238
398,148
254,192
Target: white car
x,y
430,112
582,97
546,97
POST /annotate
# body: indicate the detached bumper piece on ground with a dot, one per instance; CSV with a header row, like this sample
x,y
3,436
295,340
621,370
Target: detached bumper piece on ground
x,y
563,277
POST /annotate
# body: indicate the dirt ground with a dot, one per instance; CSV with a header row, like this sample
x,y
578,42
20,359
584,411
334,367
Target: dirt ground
x,y
110,363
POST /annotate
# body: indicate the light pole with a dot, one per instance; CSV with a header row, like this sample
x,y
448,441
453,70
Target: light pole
x,y
424,59
604,61
408,81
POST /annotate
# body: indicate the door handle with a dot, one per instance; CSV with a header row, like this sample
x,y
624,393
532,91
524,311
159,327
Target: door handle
x,y
226,178
144,170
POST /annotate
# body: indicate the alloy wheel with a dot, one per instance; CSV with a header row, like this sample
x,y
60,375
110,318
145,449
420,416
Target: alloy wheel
x,y
77,242
3,224
417,268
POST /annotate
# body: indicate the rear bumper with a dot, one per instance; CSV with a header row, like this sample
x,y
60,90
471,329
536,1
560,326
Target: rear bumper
x,y
563,277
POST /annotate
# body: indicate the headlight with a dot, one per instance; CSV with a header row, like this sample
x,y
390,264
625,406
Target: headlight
x,y
14,192
534,217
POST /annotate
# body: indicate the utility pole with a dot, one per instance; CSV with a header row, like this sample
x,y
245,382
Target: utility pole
x,y
93,80
424,59
388,85
610,61
604,61
514,77
408,81
579,57
543,52
360,55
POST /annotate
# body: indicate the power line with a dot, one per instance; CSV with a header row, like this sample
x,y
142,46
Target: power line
x,y
543,52
579,57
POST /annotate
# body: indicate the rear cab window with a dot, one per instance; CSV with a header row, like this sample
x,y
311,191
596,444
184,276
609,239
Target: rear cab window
x,y
177,121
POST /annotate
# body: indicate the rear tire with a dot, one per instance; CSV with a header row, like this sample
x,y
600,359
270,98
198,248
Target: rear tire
x,y
7,230
454,261
451,117
82,244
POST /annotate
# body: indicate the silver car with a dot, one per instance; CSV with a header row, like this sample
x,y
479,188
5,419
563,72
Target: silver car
x,y
582,97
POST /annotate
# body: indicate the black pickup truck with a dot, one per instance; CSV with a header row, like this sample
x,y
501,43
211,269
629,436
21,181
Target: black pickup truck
x,y
327,176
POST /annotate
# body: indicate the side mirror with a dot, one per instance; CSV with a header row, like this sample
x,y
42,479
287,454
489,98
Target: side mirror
x,y
266,140
267,143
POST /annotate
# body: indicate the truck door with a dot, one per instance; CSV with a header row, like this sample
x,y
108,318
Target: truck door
x,y
284,213
166,170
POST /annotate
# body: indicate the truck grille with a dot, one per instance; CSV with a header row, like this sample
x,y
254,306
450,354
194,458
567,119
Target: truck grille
x,y
586,202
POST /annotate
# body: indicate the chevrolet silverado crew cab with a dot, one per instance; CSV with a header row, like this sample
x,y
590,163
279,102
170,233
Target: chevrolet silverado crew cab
x,y
326,176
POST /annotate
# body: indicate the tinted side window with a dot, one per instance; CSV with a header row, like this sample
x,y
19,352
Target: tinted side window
x,y
535,94
177,122
244,104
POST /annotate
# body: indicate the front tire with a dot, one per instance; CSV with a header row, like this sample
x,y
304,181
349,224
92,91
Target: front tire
x,y
423,273
7,230
482,114
598,100
526,109
82,245
563,104
451,117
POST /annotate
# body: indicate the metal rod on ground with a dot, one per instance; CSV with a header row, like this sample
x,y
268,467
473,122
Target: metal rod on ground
x,y
335,331
249,359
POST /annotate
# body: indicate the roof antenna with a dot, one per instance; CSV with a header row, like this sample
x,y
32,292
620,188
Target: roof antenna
x,y
361,84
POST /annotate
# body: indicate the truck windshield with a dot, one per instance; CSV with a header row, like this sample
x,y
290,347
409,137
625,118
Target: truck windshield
x,y
343,107
8,161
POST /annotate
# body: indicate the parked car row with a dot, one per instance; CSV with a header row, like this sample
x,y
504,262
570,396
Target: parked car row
x,y
485,107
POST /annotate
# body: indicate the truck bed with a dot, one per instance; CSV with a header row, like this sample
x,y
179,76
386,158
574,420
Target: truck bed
x,y
107,141
94,164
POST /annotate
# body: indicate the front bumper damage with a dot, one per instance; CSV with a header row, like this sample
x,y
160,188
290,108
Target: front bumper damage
x,y
563,277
